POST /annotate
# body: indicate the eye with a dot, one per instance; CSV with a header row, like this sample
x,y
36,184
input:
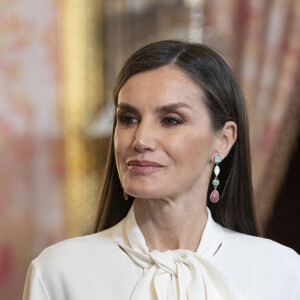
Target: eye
x,y
126,119
172,121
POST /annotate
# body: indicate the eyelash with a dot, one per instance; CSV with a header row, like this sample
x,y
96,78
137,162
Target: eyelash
x,y
172,121
126,120
168,121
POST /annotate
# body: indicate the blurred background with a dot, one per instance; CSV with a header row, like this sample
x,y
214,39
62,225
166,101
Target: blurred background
x,y
58,61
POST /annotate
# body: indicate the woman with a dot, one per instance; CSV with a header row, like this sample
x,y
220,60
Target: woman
x,y
175,219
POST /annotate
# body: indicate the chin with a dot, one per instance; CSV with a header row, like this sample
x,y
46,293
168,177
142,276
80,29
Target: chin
x,y
144,193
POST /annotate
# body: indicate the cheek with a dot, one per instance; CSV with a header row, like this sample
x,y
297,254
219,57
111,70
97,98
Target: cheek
x,y
121,144
117,148
190,149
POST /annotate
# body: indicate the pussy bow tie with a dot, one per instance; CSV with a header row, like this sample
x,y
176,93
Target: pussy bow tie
x,y
178,274
175,274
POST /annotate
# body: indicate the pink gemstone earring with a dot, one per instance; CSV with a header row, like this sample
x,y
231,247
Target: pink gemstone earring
x,y
125,195
214,196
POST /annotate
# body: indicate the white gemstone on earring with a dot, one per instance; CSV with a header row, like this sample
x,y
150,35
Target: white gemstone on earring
x,y
217,170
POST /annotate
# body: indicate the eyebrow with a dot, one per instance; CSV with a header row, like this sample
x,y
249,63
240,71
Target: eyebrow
x,y
162,109
127,107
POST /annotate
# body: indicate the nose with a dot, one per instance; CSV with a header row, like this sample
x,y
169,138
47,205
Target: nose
x,y
144,138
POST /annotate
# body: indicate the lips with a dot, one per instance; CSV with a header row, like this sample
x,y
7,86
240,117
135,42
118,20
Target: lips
x,y
143,166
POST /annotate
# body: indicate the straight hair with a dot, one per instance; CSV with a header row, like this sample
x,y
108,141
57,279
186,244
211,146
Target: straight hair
x,y
224,102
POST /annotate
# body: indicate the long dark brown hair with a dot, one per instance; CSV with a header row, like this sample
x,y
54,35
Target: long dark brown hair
x,y
224,102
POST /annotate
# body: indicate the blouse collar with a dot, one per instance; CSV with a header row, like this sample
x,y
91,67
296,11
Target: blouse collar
x,y
129,233
175,274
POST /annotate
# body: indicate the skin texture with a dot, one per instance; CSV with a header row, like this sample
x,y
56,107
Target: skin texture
x,y
164,148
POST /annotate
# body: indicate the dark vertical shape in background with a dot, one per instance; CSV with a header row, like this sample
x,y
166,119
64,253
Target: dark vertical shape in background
x,y
284,227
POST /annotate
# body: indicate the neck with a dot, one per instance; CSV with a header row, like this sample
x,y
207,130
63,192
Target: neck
x,y
169,224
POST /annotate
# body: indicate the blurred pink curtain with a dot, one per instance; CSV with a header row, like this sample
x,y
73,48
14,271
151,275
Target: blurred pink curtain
x,y
261,40
31,139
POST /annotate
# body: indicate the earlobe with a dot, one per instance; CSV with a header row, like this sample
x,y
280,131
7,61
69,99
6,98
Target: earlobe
x,y
227,137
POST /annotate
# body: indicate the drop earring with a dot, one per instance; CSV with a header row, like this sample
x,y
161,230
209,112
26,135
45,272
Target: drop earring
x,y
215,196
125,195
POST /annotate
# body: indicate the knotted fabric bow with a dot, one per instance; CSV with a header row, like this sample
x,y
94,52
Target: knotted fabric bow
x,y
174,274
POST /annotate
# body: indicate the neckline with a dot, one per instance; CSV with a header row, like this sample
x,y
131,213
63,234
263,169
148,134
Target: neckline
x,y
127,232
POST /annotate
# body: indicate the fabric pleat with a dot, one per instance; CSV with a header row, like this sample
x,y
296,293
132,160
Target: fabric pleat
x,y
175,274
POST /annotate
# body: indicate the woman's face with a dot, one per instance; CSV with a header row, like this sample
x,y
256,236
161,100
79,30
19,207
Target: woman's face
x,y
164,144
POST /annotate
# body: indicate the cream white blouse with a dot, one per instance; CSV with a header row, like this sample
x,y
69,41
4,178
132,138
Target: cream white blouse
x,y
116,264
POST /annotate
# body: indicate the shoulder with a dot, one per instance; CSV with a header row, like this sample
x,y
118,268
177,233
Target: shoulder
x,y
262,268
81,268
99,240
258,246
259,254
76,250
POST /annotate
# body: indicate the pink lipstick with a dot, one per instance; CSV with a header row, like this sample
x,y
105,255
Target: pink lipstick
x,y
143,166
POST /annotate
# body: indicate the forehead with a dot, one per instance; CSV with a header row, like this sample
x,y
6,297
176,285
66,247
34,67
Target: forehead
x,y
161,86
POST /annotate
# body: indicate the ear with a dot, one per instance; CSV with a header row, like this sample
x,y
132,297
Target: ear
x,y
226,137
